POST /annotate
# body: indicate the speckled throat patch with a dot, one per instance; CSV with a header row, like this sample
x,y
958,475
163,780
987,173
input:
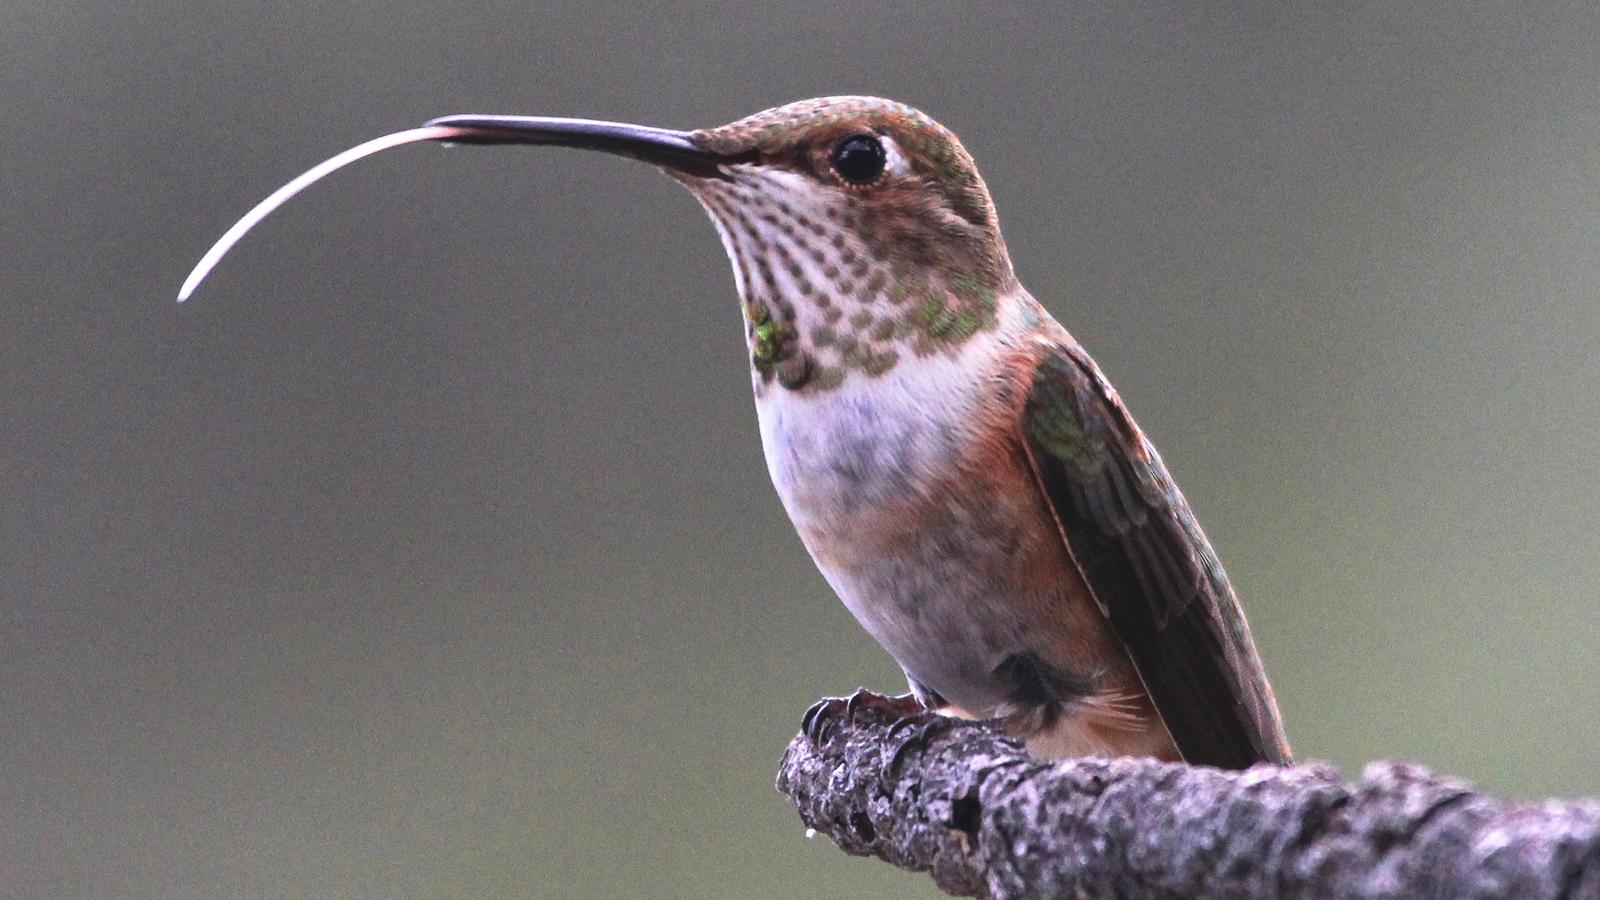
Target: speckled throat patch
x,y
824,299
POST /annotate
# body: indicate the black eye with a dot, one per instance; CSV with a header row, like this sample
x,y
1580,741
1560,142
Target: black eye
x,y
859,158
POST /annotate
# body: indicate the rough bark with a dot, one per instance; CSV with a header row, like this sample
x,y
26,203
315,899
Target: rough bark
x,y
966,804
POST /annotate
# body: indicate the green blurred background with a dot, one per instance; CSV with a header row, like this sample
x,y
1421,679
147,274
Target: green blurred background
x,y
430,550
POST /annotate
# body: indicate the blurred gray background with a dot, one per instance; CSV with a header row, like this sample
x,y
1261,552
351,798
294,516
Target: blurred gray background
x,y
430,550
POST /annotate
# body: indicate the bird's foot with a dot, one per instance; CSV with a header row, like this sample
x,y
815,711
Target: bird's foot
x,y
826,715
918,733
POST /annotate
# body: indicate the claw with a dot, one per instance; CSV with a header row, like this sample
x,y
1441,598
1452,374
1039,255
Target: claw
x,y
813,723
830,713
927,730
899,725
853,702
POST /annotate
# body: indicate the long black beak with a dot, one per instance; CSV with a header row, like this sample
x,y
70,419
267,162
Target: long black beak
x,y
672,150
659,146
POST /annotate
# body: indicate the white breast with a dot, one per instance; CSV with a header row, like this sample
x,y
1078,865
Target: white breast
x,y
847,462
870,440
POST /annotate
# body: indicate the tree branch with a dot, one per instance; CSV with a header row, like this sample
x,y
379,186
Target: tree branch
x,y
965,803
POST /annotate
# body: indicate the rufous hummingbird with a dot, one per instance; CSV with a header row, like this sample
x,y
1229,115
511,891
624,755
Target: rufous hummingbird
x,y
960,470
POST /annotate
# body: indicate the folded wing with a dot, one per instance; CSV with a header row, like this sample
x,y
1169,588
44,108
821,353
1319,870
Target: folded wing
x,y
1151,569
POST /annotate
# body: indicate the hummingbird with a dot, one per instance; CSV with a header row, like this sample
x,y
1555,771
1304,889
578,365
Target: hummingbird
x,y
962,473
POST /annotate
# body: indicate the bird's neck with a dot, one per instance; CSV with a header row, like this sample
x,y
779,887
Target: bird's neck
x,y
814,342
833,289
819,324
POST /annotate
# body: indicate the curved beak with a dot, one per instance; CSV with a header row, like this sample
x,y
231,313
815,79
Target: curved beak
x,y
671,150
658,146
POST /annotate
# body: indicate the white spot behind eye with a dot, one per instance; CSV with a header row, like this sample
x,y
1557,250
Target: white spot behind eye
x,y
894,161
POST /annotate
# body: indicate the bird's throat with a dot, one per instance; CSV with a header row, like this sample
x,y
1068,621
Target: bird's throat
x,y
823,301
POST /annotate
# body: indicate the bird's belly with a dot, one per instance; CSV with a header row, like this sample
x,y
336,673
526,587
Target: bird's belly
x,y
937,591
934,538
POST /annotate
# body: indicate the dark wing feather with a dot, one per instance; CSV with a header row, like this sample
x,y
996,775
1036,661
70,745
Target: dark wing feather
x,y
1152,571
